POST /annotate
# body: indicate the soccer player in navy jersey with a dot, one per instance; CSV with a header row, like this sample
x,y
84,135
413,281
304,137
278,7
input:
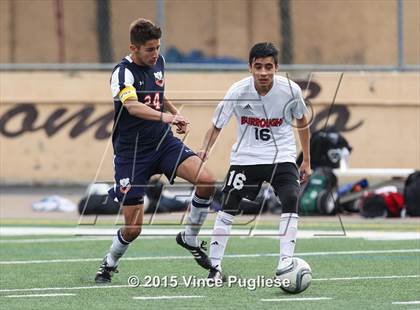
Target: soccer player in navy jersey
x,y
144,145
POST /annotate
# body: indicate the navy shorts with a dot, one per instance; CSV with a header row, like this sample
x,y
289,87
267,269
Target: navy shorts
x,y
132,175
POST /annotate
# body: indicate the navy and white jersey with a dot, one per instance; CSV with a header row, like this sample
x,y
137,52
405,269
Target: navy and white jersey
x,y
146,84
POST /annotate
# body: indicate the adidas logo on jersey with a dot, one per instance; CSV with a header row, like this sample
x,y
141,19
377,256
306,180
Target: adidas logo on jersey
x,y
247,107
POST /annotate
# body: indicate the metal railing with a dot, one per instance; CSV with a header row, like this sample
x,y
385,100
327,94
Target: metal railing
x,y
103,11
207,67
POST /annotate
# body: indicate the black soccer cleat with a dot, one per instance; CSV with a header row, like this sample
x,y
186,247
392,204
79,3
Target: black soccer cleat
x,y
105,272
216,275
198,252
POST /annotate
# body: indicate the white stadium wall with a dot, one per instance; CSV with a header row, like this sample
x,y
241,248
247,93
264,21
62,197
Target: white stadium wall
x,y
55,126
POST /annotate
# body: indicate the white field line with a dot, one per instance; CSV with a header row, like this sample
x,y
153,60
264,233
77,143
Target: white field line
x,y
166,297
368,278
40,289
77,260
39,295
52,240
72,239
298,299
414,302
127,286
171,232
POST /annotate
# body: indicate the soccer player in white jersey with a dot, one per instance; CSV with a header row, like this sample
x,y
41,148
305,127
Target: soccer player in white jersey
x,y
265,106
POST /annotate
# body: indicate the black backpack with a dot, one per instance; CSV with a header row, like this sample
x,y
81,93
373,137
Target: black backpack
x,y
326,149
386,204
98,204
372,205
412,194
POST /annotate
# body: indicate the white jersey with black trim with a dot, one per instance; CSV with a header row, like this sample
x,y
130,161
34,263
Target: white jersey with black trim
x,y
264,123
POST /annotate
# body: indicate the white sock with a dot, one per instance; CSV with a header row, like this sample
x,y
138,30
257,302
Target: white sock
x,y
288,233
117,249
199,209
219,239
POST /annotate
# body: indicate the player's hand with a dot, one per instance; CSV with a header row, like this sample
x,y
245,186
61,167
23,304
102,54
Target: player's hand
x,y
305,171
174,119
203,155
181,128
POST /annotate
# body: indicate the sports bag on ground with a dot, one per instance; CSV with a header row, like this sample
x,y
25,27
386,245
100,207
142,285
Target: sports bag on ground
x,y
386,204
319,196
98,204
412,194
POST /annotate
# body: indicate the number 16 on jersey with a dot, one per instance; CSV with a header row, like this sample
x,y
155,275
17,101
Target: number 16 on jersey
x,y
262,134
236,180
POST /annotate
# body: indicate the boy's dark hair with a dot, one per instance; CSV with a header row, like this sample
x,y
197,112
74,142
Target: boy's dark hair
x,y
264,49
143,30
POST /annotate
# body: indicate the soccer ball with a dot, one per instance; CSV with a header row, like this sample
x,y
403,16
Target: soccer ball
x,y
297,272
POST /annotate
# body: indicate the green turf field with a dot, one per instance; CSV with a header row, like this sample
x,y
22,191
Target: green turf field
x,y
348,274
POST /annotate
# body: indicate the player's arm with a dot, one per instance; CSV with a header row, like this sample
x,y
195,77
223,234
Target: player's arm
x,y
221,117
304,138
122,89
128,97
143,111
208,142
299,112
181,127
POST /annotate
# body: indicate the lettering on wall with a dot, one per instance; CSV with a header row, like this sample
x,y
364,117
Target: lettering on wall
x,y
24,118
77,123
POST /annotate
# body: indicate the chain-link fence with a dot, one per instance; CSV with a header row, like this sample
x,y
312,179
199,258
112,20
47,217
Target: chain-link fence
x,y
213,34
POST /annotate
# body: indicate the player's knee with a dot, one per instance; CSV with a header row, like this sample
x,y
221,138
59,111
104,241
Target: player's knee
x,y
131,233
289,199
207,178
205,184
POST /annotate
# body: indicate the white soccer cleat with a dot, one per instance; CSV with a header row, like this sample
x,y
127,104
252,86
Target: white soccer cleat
x,y
285,265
